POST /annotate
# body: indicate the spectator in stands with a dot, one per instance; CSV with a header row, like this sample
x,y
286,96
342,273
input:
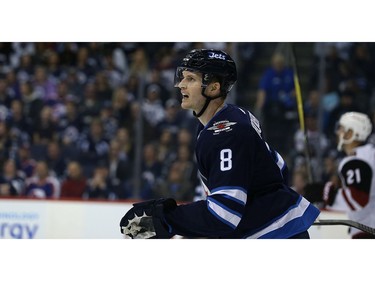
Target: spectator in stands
x,y
25,162
318,145
86,68
312,103
7,145
133,85
17,119
96,51
174,117
185,159
362,64
44,85
44,130
157,79
329,101
75,84
12,181
13,83
125,143
62,95
114,77
151,171
74,184
152,107
89,107
276,104
68,53
139,63
56,161
165,66
32,103
175,185
25,68
7,95
336,56
70,125
185,137
361,98
109,121
121,105
5,54
103,88
42,184
17,128
93,147
120,58
99,185
166,153
247,52
120,170
53,65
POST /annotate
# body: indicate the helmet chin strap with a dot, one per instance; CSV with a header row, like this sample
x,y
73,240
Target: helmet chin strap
x,y
208,99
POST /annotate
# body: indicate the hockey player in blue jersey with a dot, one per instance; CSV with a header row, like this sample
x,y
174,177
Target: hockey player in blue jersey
x,y
244,179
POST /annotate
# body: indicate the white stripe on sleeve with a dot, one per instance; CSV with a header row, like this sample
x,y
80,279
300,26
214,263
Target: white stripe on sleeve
x,y
223,214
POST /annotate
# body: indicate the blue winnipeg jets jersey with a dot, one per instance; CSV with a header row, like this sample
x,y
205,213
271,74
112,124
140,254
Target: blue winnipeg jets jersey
x,y
245,185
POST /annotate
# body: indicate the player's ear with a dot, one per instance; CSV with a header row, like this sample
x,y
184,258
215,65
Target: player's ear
x,y
214,88
348,134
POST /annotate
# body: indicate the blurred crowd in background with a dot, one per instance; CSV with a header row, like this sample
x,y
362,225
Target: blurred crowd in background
x,y
103,120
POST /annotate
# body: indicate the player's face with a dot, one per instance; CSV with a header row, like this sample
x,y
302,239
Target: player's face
x,y
191,90
343,136
340,131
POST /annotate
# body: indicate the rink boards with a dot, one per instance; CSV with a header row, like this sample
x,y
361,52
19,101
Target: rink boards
x,y
66,219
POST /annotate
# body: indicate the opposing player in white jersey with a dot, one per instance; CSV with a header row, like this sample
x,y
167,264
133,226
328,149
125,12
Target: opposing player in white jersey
x,y
356,172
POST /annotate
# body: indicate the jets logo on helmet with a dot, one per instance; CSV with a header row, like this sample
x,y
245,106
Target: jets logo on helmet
x,y
213,55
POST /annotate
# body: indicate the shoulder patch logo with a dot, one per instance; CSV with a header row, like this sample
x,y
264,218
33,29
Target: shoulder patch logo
x,y
221,126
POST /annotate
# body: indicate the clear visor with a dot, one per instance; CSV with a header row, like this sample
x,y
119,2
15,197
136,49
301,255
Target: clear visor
x,y
179,75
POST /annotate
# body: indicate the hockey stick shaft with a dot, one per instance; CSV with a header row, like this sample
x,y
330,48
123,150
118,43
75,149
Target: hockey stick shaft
x,y
301,116
350,223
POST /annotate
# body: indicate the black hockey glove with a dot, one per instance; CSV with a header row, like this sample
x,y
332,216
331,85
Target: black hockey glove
x,y
146,219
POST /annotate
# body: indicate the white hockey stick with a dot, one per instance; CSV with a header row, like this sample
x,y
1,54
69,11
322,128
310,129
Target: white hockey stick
x,y
351,223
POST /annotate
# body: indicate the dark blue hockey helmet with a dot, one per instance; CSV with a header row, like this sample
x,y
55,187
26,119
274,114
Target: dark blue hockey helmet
x,y
213,64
